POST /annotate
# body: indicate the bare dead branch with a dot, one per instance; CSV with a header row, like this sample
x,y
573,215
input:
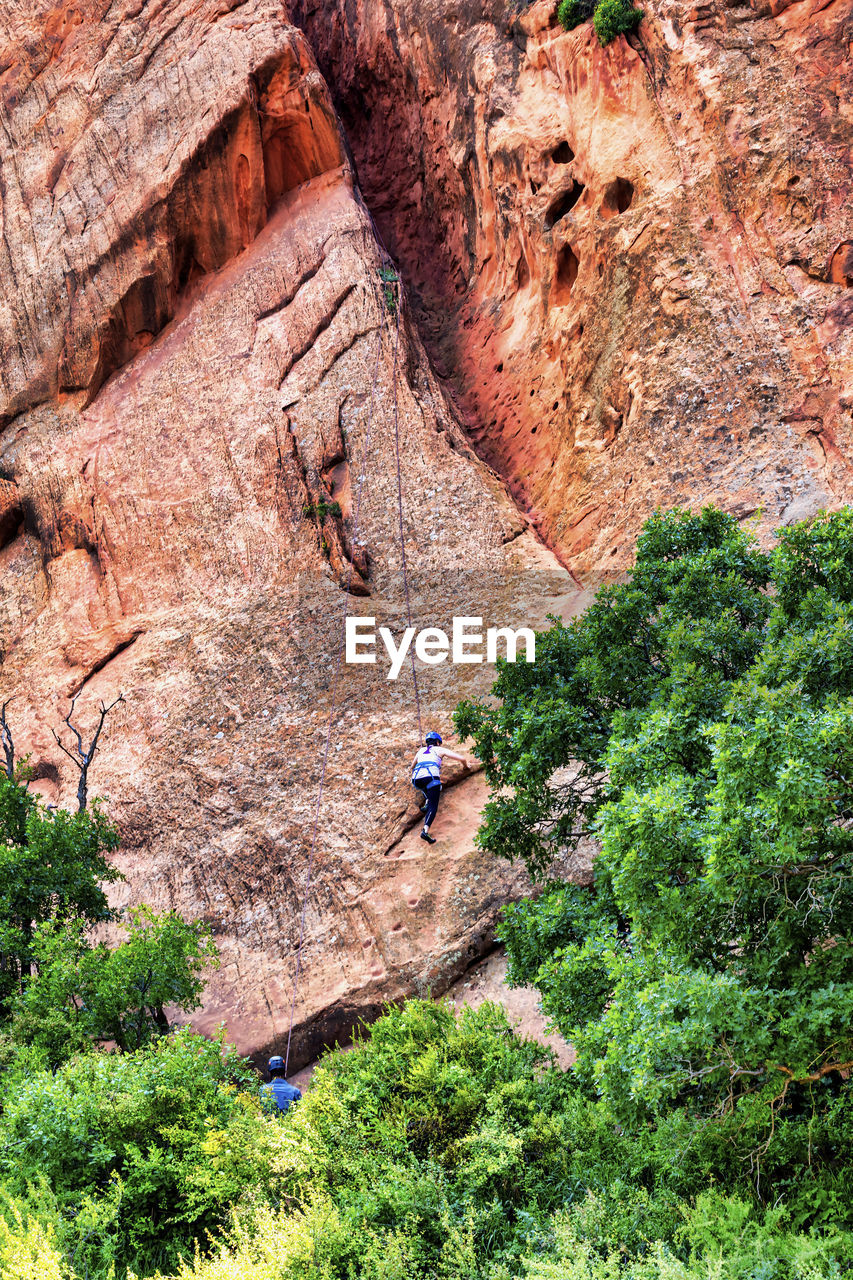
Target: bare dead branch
x,y
82,757
7,743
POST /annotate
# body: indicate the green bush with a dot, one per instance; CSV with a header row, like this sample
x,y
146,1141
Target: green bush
x,y
610,18
319,510
571,13
442,1147
709,703
390,287
722,1238
134,1157
81,993
53,867
614,18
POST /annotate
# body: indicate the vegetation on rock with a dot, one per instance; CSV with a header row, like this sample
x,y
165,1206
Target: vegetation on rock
x,y
610,18
698,720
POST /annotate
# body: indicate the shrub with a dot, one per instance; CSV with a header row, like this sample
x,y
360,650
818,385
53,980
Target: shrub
x,y
614,18
571,13
80,993
319,510
610,18
52,868
709,703
443,1148
390,285
151,1149
28,1247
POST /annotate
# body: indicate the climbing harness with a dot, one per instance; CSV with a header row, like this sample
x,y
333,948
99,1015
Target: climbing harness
x,y
389,278
427,765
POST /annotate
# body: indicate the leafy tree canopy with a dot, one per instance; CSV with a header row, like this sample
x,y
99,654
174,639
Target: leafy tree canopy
x,y
53,868
59,991
80,993
697,719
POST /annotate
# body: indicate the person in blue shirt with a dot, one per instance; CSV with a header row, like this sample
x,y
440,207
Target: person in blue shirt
x,y
278,1090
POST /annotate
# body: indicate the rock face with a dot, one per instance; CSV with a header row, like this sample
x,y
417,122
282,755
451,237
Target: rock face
x,y
200,359
632,268
633,264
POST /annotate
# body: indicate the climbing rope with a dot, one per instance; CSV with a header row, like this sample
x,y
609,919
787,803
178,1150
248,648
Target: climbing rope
x,y
382,303
333,707
403,562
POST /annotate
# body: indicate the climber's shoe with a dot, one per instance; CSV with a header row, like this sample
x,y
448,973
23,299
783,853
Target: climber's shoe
x,y
425,835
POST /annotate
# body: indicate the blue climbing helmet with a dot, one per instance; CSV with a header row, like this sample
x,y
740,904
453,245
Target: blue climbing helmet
x,y
433,738
275,1064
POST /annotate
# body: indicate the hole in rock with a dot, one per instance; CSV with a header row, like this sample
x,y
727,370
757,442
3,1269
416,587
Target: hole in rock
x,y
618,197
841,264
563,154
522,275
500,367
792,182
299,136
565,275
563,204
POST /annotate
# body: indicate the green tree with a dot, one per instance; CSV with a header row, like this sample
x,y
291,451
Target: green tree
x,y
137,1156
697,719
81,993
53,868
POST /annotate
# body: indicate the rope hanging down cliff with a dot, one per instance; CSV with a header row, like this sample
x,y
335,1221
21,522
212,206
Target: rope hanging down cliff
x,y
383,301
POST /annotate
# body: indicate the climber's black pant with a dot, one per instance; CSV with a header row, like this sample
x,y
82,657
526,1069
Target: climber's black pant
x,y
432,790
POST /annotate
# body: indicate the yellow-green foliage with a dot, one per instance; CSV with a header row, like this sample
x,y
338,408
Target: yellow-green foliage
x,y
442,1148
722,1239
27,1249
278,1246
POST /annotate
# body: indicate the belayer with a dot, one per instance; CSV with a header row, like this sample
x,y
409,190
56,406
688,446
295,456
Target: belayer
x,y
426,776
278,1091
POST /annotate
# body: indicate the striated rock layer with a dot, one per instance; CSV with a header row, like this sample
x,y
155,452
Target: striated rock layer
x,y
199,360
634,263
632,267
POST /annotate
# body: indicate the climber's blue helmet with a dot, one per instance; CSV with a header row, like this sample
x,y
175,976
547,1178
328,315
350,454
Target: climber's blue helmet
x,y
275,1064
433,738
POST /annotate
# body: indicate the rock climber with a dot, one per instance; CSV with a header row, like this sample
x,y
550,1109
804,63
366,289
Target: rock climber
x,y
426,776
278,1090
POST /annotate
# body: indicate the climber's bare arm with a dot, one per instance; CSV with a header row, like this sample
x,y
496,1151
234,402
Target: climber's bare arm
x,y
452,755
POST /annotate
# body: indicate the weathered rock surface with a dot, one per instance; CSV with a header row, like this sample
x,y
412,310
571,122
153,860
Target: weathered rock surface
x,y
198,360
632,263
633,269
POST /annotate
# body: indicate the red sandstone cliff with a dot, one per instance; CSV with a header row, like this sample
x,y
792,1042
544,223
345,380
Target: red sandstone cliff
x,y
633,263
631,267
196,354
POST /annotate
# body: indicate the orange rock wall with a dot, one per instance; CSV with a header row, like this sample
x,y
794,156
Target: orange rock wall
x,y
632,270
632,264
196,355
